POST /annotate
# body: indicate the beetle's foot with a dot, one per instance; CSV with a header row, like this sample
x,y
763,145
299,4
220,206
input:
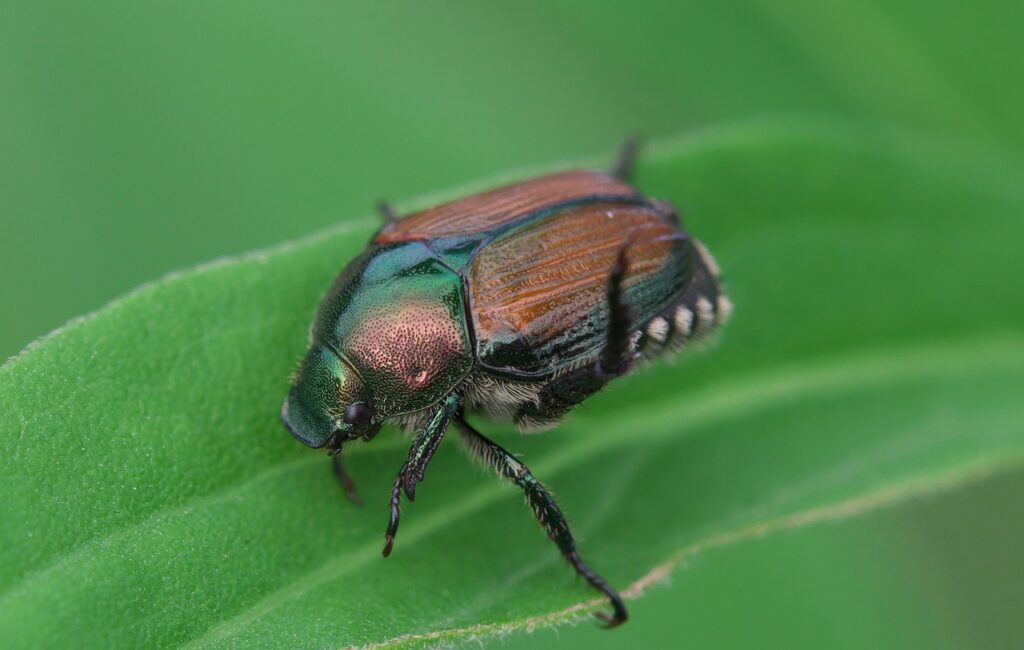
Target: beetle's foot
x,y
618,615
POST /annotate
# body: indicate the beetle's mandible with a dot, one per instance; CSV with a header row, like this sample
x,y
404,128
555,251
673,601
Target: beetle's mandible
x,y
518,303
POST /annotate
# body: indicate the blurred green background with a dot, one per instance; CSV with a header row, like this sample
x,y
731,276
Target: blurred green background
x,y
136,138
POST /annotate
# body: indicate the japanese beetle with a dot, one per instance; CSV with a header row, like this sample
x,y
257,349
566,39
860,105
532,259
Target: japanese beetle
x,y
520,303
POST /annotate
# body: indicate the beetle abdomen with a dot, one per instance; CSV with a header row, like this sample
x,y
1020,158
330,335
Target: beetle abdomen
x,y
701,308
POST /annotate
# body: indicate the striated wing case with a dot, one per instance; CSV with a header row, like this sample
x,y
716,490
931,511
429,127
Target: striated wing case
x,y
482,213
537,291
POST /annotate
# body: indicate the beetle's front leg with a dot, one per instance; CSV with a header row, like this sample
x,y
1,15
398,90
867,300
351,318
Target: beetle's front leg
x,y
425,444
423,447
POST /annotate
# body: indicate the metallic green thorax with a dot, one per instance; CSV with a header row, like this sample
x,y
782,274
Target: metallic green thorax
x,y
397,317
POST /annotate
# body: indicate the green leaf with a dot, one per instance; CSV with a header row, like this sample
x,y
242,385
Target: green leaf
x,y
151,497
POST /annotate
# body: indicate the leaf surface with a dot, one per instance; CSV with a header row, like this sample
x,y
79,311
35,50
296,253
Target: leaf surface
x,y
151,497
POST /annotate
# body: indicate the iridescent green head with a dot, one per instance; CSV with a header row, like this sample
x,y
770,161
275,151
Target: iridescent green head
x,y
328,403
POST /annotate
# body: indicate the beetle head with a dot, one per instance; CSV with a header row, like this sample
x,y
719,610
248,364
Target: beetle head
x,y
327,403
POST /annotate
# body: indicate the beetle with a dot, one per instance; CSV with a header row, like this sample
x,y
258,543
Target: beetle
x,y
518,303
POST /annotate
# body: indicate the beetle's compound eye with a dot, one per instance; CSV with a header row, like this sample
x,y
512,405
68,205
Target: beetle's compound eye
x,y
358,415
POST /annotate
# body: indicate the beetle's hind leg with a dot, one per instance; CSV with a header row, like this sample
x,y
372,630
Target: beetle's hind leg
x,y
567,390
387,212
617,355
545,510
625,161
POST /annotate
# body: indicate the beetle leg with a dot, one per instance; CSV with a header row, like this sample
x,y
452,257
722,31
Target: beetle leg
x,y
616,357
344,479
396,498
567,390
425,444
625,161
387,212
545,510
423,447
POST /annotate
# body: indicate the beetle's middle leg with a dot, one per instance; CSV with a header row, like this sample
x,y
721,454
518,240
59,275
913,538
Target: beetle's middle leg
x,y
616,358
423,447
544,509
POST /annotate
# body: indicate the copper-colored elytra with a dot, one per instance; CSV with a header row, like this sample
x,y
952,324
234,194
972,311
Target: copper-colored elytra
x,y
484,211
583,254
523,283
